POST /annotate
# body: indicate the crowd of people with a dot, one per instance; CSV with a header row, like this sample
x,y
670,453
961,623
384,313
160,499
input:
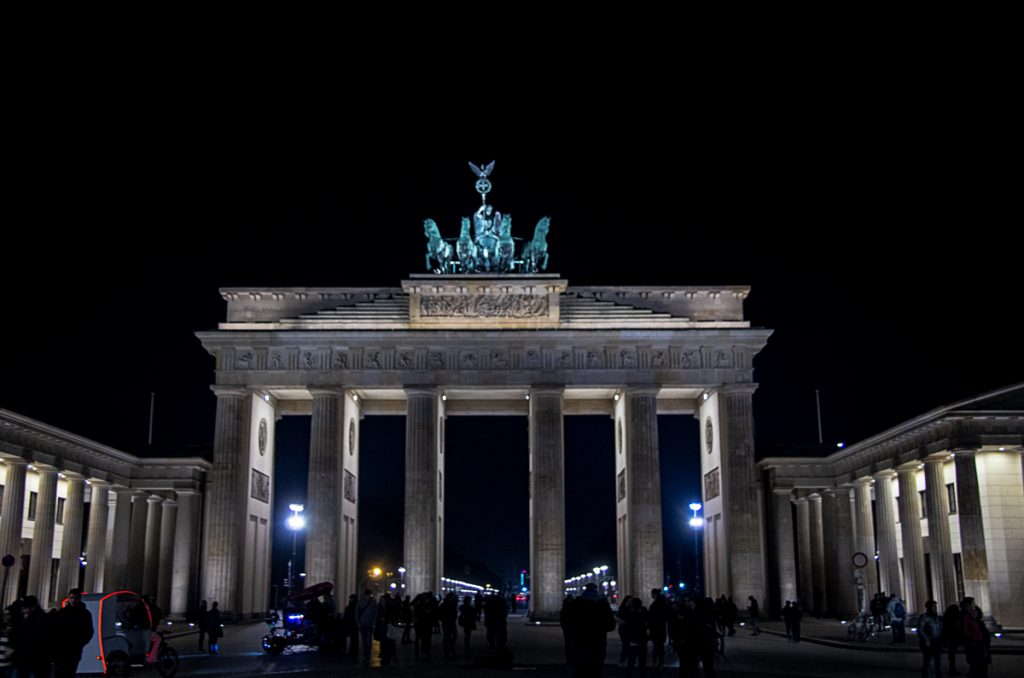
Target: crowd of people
x,y
34,642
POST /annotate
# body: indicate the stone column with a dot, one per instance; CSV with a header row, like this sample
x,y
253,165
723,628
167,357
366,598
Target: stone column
x,y
42,537
151,573
915,589
10,523
803,540
323,511
71,541
547,502
817,554
742,512
96,540
830,563
224,536
973,553
643,493
137,541
844,600
940,546
115,574
888,556
784,547
421,490
186,528
865,538
166,556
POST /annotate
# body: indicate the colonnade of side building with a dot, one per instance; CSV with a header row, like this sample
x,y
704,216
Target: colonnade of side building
x,y
141,533
930,510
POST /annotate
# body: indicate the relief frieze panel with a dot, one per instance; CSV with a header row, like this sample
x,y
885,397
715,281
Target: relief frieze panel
x,y
484,306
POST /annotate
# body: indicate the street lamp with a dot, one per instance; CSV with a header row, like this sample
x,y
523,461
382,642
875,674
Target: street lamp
x,y
696,523
295,523
401,577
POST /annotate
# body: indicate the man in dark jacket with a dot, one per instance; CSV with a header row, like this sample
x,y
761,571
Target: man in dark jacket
x,y
73,631
590,620
31,641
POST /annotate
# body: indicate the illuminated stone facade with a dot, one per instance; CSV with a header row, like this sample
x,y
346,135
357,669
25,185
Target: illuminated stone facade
x,y
935,506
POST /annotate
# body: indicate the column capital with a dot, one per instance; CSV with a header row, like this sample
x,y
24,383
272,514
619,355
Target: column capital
x,y
938,459
547,389
885,474
154,499
864,480
98,482
229,391
782,491
800,500
326,391
422,390
170,502
908,469
44,469
738,389
13,461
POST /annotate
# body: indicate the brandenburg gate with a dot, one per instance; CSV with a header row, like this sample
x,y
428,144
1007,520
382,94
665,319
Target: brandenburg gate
x,y
487,334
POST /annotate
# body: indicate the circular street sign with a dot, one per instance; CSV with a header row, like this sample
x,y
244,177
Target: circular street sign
x,y
860,559
8,560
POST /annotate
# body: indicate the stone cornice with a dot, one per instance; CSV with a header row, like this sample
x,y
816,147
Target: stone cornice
x,y
945,429
23,439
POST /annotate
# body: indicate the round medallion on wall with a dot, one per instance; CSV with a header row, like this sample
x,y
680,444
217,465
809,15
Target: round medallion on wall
x,y
351,436
263,436
709,435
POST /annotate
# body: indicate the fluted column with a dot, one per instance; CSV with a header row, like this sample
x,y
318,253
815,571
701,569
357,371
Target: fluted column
x,y
96,539
939,544
803,540
137,541
154,517
843,594
817,554
830,562
739,490
643,493
11,523
226,500
421,490
115,573
186,526
165,558
888,556
323,512
973,553
42,537
547,502
915,589
784,546
71,541
865,536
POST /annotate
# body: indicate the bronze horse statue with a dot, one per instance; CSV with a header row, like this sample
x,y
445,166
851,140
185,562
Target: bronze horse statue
x,y
535,253
437,248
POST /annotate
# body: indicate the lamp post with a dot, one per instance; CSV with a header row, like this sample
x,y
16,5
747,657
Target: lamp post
x,y
696,523
401,579
295,524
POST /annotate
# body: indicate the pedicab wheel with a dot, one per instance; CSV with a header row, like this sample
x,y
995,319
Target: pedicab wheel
x,y
274,645
167,662
118,664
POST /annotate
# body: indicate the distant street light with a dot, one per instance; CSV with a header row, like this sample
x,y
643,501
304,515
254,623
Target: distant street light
x,y
696,522
295,523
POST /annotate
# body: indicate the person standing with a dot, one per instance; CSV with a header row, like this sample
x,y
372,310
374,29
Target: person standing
x,y
591,619
214,630
657,619
951,633
929,638
755,614
31,641
73,631
202,619
467,620
366,617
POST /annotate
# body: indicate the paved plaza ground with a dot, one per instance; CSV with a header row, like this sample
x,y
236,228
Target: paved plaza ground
x,y
539,653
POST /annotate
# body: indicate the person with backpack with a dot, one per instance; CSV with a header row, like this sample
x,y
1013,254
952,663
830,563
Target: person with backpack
x,y
929,638
899,621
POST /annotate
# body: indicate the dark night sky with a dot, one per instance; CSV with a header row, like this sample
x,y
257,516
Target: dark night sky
x,y
874,229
